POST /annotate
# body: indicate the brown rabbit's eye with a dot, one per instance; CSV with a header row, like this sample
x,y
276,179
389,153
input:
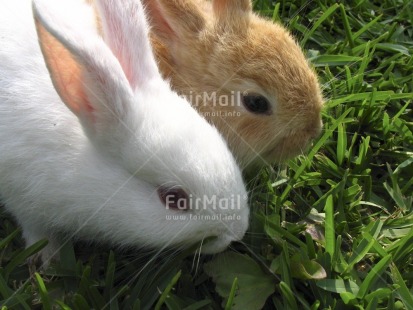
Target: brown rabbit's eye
x,y
256,104
174,198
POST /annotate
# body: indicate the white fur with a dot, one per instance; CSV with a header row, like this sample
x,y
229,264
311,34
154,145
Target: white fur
x,y
94,175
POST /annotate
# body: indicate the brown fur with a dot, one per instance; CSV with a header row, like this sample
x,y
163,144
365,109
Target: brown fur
x,y
222,46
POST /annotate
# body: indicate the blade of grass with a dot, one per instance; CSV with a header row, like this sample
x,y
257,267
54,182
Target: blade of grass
x,y
403,291
231,296
9,238
373,276
347,27
110,275
366,27
167,290
44,295
403,248
317,24
288,296
329,226
341,143
365,244
334,60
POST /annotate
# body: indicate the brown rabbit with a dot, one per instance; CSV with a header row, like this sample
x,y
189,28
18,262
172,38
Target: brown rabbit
x,y
242,72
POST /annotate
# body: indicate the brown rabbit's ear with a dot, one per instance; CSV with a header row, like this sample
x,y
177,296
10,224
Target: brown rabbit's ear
x,y
231,6
231,12
174,18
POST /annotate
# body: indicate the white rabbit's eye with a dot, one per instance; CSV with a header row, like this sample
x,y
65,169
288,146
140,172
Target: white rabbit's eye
x,y
174,198
256,104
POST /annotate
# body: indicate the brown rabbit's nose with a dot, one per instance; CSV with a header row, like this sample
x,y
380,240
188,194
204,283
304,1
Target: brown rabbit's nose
x,y
320,128
314,131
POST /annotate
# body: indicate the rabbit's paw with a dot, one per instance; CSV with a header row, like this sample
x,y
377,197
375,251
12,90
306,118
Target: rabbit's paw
x,y
45,256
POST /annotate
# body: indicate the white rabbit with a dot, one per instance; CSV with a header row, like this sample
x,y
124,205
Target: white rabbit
x,y
93,142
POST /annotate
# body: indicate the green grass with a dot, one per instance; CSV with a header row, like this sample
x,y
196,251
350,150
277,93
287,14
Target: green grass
x,y
329,230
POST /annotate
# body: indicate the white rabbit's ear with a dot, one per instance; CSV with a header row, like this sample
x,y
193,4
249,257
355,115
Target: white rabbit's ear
x,y
175,19
125,30
85,73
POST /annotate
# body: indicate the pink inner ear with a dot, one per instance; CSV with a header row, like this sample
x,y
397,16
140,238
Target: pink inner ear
x,y
218,6
226,6
66,74
157,19
68,85
114,36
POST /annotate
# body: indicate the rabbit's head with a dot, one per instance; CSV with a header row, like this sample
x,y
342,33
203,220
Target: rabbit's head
x,y
245,74
180,183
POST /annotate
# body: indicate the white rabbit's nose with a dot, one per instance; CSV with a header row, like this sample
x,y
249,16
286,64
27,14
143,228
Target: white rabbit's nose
x,y
238,227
